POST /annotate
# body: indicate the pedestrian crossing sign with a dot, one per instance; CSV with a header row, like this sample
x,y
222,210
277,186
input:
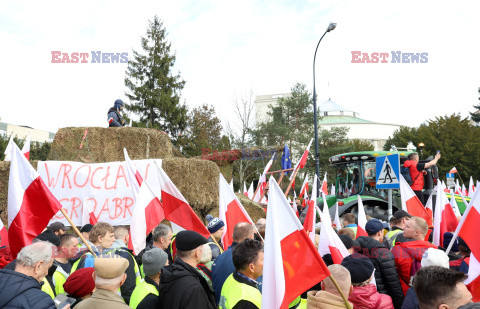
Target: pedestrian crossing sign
x,y
388,172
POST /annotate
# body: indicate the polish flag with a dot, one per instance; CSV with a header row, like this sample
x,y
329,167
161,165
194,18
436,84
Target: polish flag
x,y
9,150
454,205
26,148
411,203
310,218
31,205
303,160
453,170
3,235
294,204
330,243
332,190
336,220
429,209
362,219
231,211
324,187
176,207
444,218
262,182
87,214
304,189
245,191
148,211
292,265
326,212
231,185
468,231
471,188
305,200
250,191
464,190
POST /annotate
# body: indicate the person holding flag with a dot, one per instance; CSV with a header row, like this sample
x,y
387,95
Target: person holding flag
x,y
417,170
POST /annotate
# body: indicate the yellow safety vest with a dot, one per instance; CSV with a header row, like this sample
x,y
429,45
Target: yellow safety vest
x,y
234,291
295,303
394,235
354,228
141,291
59,277
47,288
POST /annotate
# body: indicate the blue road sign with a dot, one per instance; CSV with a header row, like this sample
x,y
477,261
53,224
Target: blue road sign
x,y
388,172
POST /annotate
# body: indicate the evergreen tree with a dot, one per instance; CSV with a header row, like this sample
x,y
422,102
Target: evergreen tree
x,y
154,90
476,115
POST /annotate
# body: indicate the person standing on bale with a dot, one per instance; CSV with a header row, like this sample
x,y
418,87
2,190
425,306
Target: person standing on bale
x,y
114,114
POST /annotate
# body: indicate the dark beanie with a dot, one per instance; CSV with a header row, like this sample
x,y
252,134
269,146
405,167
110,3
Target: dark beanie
x,y
189,240
86,228
80,283
447,237
359,266
214,224
49,236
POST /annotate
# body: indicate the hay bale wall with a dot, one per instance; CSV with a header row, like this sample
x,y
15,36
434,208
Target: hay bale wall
x,y
106,144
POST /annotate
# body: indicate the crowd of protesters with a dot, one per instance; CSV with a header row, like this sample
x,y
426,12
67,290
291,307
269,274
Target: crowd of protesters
x,y
390,268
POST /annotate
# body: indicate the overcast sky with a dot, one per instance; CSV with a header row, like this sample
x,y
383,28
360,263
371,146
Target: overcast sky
x,y
225,49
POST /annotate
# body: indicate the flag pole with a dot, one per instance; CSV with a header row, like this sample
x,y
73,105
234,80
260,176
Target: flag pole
x,y
345,300
462,220
74,227
291,181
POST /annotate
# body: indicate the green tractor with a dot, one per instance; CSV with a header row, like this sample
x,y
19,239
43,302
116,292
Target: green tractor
x,y
355,174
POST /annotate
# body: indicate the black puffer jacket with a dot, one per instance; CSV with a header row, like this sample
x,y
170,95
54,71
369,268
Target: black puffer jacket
x,y
21,291
182,287
386,276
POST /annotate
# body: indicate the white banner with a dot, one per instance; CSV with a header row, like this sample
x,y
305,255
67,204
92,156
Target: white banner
x,y
105,187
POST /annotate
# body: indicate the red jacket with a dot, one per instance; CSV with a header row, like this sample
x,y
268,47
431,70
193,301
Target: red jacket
x,y
367,297
417,176
405,254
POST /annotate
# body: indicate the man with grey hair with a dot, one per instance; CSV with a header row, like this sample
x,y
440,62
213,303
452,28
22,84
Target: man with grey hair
x,y
329,297
162,238
109,276
21,288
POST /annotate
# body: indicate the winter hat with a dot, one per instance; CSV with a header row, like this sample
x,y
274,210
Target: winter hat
x,y
80,283
435,257
57,226
373,226
118,103
359,266
110,266
463,245
214,224
86,228
153,260
49,236
399,214
189,240
447,237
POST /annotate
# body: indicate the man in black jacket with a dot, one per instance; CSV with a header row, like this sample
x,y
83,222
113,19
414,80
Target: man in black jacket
x,y
386,276
21,288
181,285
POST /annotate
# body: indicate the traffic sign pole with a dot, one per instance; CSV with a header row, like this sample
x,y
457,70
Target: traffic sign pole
x,y
390,205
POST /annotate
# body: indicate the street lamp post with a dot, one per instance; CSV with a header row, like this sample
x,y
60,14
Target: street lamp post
x,y
317,164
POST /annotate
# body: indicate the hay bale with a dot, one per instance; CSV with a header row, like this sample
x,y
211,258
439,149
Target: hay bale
x,y
197,180
106,144
227,172
254,210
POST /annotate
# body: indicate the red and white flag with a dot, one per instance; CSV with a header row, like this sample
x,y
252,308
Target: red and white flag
x,y
304,189
332,190
231,184
262,182
176,207
362,219
250,191
429,208
326,212
464,190
444,219
3,235
471,187
26,148
245,191
411,203
31,205
148,211
311,216
454,205
88,217
468,231
9,149
292,264
329,242
303,160
231,211
324,187
453,170
336,220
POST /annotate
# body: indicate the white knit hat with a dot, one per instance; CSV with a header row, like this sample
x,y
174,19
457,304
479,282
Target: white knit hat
x,y
435,257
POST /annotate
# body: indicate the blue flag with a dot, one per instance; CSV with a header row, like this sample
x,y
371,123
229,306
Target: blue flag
x,y
286,159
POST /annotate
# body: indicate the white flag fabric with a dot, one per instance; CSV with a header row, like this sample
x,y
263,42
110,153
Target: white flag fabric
x,y
9,150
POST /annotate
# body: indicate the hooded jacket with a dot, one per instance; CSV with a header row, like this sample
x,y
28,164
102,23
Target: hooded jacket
x,y
386,276
182,287
324,300
21,291
367,297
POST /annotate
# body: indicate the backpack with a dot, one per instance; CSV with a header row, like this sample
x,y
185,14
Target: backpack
x,y
405,171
